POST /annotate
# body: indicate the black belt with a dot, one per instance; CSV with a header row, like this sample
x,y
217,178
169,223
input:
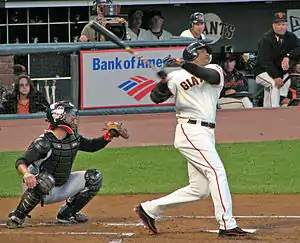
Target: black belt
x,y
203,123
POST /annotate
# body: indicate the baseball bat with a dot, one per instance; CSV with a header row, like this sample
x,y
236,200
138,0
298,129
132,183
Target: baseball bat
x,y
115,39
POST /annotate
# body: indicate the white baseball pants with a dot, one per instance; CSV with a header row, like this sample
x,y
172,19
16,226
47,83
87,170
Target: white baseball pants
x,y
74,185
271,92
235,103
206,175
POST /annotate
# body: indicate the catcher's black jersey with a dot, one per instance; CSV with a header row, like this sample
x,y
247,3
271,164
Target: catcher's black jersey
x,y
48,154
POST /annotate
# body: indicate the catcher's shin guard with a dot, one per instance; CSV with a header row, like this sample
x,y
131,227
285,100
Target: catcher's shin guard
x,y
28,202
69,213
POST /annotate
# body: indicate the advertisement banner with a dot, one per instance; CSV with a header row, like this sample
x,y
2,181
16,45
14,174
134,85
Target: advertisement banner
x,y
293,16
116,79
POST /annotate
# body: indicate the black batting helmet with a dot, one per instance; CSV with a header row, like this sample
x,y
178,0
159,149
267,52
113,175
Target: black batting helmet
x,y
190,52
196,18
63,114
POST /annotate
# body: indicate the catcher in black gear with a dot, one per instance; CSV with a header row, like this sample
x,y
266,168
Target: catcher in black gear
x,y
47,163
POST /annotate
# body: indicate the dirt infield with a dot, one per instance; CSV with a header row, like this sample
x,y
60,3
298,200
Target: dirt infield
x,y
112,217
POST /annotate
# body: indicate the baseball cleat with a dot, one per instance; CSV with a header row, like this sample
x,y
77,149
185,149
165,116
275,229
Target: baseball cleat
x,y
232,233
77,218
14,222
149,223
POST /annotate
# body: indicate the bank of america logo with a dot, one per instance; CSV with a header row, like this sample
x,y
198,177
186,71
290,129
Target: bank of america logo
x,y
137,87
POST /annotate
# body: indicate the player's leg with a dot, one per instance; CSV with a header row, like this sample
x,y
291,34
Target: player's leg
x,y
246,102
30,199
81,187
271,92
201,150
196,190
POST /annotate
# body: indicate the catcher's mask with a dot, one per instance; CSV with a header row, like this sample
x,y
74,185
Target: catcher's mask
x,y
190,52
63,114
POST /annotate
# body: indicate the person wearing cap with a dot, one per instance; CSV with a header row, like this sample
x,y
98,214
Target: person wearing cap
x,y
135,32
275,49
156,31
88,34
196,27
234,94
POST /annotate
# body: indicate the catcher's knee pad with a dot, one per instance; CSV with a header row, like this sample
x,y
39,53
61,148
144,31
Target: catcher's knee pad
x,y
93,183
93,180
45,183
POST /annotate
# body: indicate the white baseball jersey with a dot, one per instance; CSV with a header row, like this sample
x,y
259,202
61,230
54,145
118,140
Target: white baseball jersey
x,y
164,36
195,98
188,33
143,35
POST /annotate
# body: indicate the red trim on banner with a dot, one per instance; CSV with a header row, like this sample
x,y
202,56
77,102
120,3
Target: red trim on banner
x,y
127,106
138,79
81,80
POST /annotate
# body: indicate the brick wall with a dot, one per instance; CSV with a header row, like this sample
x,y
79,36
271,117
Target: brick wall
x,y
6,70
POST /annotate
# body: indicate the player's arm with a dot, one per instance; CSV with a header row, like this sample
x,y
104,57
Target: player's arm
x,y
39,149
209,75
161,92
94,144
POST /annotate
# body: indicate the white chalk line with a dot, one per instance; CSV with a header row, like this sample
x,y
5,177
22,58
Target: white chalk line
x,y
116,241
241,217
205,217
217,231
172,217
67,233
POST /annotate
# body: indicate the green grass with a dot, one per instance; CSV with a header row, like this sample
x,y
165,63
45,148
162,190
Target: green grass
x,y
264,167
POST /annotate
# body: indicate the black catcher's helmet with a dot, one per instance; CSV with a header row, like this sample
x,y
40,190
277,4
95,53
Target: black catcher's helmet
x,y
63,114
190,52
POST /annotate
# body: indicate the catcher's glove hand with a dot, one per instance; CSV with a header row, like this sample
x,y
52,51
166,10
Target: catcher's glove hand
x,y
116,129
172,62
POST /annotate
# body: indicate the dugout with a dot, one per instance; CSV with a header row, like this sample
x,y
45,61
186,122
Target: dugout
x,y
237,23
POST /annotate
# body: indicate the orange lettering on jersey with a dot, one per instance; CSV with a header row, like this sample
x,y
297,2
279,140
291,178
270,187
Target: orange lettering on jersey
x,y
190,83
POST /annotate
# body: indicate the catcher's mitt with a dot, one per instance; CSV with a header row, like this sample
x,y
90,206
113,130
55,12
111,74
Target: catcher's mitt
x,y
116,129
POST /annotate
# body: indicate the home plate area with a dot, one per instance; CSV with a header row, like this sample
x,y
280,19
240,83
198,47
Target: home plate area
x,y
270,218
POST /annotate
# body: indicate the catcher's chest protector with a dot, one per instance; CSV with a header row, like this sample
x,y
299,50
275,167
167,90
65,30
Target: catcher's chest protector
x,y
59,164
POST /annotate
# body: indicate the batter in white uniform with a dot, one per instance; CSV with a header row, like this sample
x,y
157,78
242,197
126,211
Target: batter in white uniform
x,y
196,88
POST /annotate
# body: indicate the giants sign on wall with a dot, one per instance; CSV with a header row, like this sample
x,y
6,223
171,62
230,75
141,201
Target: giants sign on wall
x,y
116,79
216,29
294,21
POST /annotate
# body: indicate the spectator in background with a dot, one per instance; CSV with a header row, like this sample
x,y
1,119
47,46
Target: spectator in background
x,y
24,99
235,91
135,31
19,70
156,31
3,93
88,34
196,27
274,51
288,92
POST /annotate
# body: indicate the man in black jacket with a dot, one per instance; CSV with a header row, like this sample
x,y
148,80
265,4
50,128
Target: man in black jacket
x,y
46,168
275,49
